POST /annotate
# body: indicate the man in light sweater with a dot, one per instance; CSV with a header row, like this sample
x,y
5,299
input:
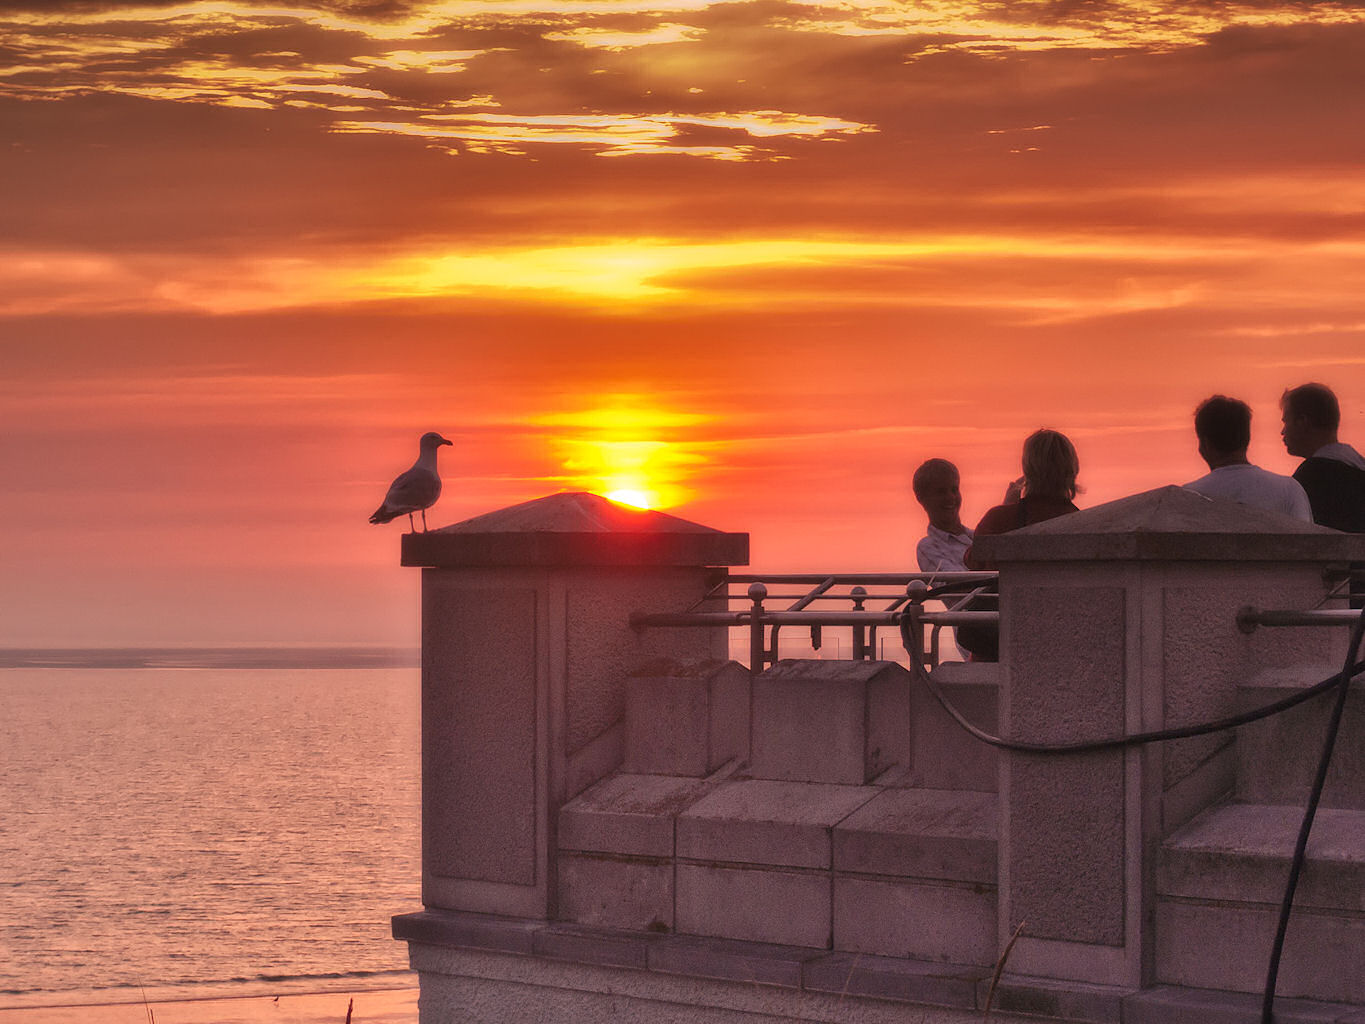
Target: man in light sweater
x,y
1223,427
937,487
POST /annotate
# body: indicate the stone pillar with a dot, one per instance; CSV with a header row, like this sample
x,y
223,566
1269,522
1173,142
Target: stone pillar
x,y
1116,620
526,649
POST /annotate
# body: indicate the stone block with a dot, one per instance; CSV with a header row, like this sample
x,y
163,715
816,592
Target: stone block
x,y
856,974
843,722
749,962
1221,946
686,719
479,735
936,834
627,814
938,921
1066,844
1242,852
943,755
1277,757
759,821
593,946
784,907
469,930
1165,1004
616,892
1055,1000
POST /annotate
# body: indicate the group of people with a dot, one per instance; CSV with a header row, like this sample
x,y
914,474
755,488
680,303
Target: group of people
x,y
1327,488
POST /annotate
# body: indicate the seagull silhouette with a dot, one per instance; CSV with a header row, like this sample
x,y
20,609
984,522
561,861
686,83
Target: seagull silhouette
x,y
417,489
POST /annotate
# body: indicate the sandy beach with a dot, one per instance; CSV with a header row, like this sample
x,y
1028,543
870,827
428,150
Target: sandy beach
x,y
378,1006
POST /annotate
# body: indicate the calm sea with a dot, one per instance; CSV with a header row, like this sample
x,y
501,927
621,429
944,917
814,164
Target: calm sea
x,y
188,827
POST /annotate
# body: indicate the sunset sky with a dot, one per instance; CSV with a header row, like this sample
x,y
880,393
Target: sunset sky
x,y
757,259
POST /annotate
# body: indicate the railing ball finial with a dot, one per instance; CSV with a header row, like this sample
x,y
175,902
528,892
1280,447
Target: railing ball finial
x,y
757,592
915,591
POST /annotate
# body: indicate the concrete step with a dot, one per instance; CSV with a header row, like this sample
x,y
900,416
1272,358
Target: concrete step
x,y
1278,756
1220,880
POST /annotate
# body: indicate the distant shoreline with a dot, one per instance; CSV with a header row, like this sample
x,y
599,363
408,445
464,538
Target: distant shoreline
x,y
257,657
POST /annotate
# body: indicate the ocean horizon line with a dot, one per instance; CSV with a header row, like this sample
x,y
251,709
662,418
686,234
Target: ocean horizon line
x,y
247,656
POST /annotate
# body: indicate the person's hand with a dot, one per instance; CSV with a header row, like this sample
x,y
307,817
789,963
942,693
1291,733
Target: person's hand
x,y
1014,491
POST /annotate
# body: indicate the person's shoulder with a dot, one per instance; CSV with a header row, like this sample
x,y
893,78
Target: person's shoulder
x,y
997,519
1320,466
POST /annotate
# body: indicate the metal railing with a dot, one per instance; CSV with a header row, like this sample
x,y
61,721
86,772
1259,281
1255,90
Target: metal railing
x,y
862,602
867,602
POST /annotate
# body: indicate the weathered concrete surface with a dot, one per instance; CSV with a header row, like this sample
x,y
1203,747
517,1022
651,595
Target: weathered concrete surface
x,y
1277,757
951,922
1067,826
1227,947
841,722
616,847
942,754
594,976
479,711
1117,620
627,815
784,906
687,719
634,893
527,647
759,821
1221,879
856,877
920,833
1241,852
477,968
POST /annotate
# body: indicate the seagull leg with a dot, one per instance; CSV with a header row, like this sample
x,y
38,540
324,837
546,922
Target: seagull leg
x,y
412,526
424,520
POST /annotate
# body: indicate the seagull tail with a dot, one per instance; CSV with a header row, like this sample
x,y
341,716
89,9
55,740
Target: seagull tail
x,y
383,515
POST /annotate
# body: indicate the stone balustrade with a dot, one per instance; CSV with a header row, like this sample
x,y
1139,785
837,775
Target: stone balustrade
x,y
620,822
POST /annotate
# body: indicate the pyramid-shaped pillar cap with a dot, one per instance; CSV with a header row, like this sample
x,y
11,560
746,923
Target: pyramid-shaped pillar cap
x,y
1172,524
574,529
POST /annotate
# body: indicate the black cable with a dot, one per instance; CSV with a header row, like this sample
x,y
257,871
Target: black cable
x,y
1116,743
1301,844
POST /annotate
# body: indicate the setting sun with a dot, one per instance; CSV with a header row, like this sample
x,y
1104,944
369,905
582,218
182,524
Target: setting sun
x,y
634,497
629,450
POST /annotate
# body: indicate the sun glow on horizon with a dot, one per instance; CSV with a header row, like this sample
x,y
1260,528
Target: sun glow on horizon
x,y
628,450
635,498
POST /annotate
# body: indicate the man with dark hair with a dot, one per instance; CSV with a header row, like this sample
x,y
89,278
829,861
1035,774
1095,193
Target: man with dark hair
x,y
1332,473
1223,426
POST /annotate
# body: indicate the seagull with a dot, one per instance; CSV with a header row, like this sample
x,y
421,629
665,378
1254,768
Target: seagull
x,y
417,489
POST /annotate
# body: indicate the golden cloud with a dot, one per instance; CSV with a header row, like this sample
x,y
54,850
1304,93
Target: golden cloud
x,y
614,134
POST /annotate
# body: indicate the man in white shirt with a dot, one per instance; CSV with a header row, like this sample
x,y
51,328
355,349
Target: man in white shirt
x,y
937,488
1223,426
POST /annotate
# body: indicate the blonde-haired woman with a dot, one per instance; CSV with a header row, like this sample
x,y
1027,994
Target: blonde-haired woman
x,y
1045,491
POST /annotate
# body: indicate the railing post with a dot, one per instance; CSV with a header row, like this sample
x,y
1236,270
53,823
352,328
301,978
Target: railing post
x,y
757,654
914,604
859,595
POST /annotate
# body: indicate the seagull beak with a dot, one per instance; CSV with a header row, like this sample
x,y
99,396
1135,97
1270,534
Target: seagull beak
x,y
444,441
